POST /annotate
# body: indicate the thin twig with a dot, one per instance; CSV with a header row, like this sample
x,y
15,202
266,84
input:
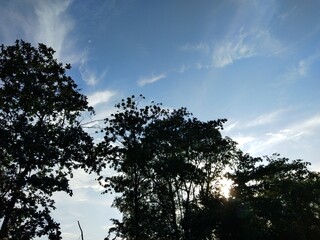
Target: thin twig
x,y
80,230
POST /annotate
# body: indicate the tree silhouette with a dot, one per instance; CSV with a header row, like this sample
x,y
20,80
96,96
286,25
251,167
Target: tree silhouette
x,y
188,159
272,198
123,149
41,139
167,164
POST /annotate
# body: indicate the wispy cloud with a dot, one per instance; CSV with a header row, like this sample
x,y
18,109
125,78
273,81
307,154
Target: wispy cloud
x,y
103,107
100,97
54,25
256,38
47,22
231,49
144,81
267,118
229,126
44,21
90,77
234,47
300,70
294,133
279,131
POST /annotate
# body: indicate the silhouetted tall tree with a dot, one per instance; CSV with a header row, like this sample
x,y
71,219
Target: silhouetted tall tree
x,y
41,139
189,157
123,149
167,164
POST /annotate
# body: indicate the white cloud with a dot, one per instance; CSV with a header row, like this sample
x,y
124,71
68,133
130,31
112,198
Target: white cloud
x,y
270,140
295,72
300,70
100,97
87,206
264,119
152,79
90,77
83,180
267,118
244,44
54,25
243,140
232,49
280,131
290,135
309,124
267,44
229,126
43,21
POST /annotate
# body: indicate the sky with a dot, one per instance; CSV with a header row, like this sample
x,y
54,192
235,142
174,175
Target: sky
x,y
253,62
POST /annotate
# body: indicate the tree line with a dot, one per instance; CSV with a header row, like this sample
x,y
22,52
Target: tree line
x,y
168,165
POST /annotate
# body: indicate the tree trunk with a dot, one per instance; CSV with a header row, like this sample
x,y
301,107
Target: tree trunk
x,y
7,217
9,208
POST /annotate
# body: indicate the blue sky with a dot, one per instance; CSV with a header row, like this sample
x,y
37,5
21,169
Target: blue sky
x,y
253,62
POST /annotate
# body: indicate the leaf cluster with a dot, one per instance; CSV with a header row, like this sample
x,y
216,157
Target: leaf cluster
x,y
41,139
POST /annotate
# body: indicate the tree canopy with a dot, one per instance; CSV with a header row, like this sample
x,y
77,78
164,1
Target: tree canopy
x,y
168,166
168,171
279,199
41,139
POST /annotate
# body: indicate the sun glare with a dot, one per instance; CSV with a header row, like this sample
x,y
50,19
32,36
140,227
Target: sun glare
x,y
225,185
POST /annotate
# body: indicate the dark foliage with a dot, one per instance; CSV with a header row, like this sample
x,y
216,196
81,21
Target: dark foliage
x,y
41,139
168,165
277,199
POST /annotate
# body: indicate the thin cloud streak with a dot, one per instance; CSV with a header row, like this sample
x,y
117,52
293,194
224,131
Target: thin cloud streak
x,y
290,134
267,118
144,81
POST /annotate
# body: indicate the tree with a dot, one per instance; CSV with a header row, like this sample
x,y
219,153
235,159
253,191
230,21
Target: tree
x,y
189,157
123,149
167,164
41,138
272,198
